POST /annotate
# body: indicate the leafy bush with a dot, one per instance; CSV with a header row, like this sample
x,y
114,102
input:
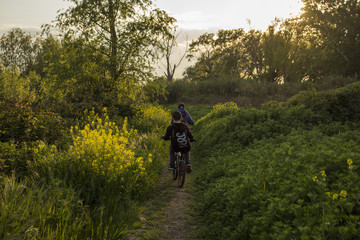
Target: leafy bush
x,y
288,187
21,122
341,104
14,158
151,118
242,126
283,171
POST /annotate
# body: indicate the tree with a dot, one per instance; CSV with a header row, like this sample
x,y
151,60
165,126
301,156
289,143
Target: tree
x,y
169,48
229,53
19,50
336,23
203,50
286,51
253,49
125,33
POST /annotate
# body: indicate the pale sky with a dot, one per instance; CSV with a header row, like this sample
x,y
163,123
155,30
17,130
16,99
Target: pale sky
x,y
228,14
191,14
194,17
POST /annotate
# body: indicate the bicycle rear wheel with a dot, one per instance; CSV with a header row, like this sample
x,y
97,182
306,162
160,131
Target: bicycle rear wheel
x,y
182,171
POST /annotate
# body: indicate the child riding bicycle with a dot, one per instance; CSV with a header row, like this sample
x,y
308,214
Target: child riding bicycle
x,y
180,137
186,118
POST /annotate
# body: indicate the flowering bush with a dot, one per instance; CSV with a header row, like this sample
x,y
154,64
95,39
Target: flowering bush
x,y
109,152
109,166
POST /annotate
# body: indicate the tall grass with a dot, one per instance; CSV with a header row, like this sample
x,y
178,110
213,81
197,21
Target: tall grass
x,y
30,210
245,91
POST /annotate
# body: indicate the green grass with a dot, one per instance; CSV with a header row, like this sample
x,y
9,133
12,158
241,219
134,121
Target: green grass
x,y
245,92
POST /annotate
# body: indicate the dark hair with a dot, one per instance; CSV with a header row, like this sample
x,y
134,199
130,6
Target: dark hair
x,y
176,115
181,105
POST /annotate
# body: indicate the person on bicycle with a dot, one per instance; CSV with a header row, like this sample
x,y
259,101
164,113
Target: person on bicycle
x,y
180,137
186,118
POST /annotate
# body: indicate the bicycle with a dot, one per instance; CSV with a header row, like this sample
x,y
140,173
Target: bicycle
x,y
179,168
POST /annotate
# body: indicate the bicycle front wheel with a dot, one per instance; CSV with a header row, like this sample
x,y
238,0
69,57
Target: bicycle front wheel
x,y
182,171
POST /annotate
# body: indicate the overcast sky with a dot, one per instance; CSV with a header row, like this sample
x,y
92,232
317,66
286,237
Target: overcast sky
x,y
228,14
194,16
191,14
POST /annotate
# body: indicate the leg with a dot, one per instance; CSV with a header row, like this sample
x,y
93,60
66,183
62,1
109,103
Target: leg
x,y
187,157
171,156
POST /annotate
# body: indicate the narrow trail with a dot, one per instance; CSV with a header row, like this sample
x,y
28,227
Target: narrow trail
x,y
166,215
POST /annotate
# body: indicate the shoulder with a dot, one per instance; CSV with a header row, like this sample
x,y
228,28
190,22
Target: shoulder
x,y
182,110
185,126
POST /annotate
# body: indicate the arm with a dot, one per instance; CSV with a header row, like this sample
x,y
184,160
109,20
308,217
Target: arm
x,y
189,119
189,135
167,134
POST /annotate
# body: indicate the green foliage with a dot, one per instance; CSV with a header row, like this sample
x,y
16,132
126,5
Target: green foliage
x,y
21,122
14,158
88,190
281,171
284,171
34,211
333,25
18,50
321,41
127,48
151,119
155,90
340,104
242,126
246,91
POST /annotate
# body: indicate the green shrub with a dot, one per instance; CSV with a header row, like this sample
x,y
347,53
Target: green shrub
x,y
21,122
283,171
151,118
342,104
14,158
288,187
241,127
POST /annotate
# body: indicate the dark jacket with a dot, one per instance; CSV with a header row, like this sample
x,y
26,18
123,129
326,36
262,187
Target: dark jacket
x,y
186,116
180,137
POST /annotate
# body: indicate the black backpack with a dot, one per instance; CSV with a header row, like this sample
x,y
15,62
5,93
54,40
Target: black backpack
x,y
179,140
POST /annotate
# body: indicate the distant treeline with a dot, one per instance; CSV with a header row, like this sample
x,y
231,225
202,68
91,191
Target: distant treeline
x,y
323,40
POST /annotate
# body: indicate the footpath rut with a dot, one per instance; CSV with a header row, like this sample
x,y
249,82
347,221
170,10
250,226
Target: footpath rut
x,y
166,215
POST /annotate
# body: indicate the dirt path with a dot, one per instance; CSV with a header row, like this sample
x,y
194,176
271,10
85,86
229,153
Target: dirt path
x,y
166,215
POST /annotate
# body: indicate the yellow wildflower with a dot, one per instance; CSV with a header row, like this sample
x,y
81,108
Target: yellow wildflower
x,y
335,196
350,162
315,179
343,193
